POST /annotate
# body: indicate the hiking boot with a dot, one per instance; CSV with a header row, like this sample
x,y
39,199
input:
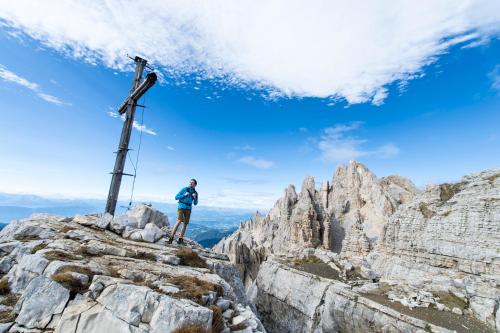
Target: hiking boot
x,y
170,240
180,241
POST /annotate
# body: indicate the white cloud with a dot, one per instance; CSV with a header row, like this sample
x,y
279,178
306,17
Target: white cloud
x,y
256,162
495,78
171,148
12,77
336,144
141,128
337,49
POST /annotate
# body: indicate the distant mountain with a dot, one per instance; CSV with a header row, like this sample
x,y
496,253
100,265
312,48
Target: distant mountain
x,y
208,224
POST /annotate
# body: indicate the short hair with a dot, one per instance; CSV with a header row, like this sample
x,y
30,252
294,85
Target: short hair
x,y
194,180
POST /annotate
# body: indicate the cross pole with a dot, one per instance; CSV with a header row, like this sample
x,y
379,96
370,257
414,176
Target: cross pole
x,y
128,108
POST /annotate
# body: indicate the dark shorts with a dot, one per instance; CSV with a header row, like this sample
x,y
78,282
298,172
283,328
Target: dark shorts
x,y
183,215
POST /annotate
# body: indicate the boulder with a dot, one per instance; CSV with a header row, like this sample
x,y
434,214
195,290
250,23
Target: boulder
x,y
42,299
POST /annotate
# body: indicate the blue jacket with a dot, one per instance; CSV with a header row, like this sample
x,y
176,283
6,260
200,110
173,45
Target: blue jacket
x,y
185,202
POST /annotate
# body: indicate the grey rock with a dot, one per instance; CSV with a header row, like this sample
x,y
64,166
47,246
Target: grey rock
x,y
42,299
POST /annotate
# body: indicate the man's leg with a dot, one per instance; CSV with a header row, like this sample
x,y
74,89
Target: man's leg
x,y
183,230
174,231
187,216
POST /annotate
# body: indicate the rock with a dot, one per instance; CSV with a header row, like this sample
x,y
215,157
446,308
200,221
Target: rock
x,y
345,216
29,267
125,301
223,304
4,328
457,311
171,314
104,221
42,299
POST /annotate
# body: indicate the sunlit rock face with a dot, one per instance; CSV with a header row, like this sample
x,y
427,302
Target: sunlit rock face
x,y
386,243
346,215
99,273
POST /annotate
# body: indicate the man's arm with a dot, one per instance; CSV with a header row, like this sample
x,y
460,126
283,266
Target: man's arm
x,y
181,193
195,202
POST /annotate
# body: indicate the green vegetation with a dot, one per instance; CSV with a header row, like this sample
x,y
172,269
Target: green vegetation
x,y
447,191
426,211
307,260
450,300
190,258
491,179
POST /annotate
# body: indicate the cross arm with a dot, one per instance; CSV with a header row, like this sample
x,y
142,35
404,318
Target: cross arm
x,y
137,93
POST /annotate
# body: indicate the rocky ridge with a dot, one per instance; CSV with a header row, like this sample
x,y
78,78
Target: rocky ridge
x,y
346,215
435,251
97,273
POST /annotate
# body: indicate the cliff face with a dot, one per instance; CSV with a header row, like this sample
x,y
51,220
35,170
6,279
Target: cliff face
x,y
448,238
359,254
345,216
103,274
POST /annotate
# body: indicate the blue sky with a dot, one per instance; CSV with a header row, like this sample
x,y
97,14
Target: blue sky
x,y
245,128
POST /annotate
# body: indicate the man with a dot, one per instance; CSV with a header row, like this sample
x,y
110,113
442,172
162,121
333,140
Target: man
x,y
186,197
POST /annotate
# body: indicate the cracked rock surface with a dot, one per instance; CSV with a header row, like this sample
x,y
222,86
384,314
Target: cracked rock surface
x,y
88,274
368,254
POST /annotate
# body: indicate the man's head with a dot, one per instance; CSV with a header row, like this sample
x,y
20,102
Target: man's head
x,y
193,183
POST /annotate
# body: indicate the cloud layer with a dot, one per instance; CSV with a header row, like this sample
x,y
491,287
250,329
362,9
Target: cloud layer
x,y
12,77
338,144
338,49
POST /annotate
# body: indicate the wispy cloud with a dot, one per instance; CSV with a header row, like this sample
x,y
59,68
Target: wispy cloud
x,y
338,144
494,76
12,77
245,147
256,162
170,148
243,44
141,128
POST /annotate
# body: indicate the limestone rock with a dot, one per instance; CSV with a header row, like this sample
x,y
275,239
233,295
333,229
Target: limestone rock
x,y
42,299
346,215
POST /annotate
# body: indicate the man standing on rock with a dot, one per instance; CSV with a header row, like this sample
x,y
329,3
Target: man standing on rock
x,y
186,197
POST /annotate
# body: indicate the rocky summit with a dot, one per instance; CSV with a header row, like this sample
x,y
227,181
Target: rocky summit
x,y
99,274
368,254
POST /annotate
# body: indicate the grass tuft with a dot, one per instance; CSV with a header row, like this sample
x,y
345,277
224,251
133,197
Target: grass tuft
x,y
26,238
447,191
307,260
191,329
9,300
426,211
450,300
4,286
190,258
61,255
143,255
38,247
7,317
193,288
217,319
70,282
